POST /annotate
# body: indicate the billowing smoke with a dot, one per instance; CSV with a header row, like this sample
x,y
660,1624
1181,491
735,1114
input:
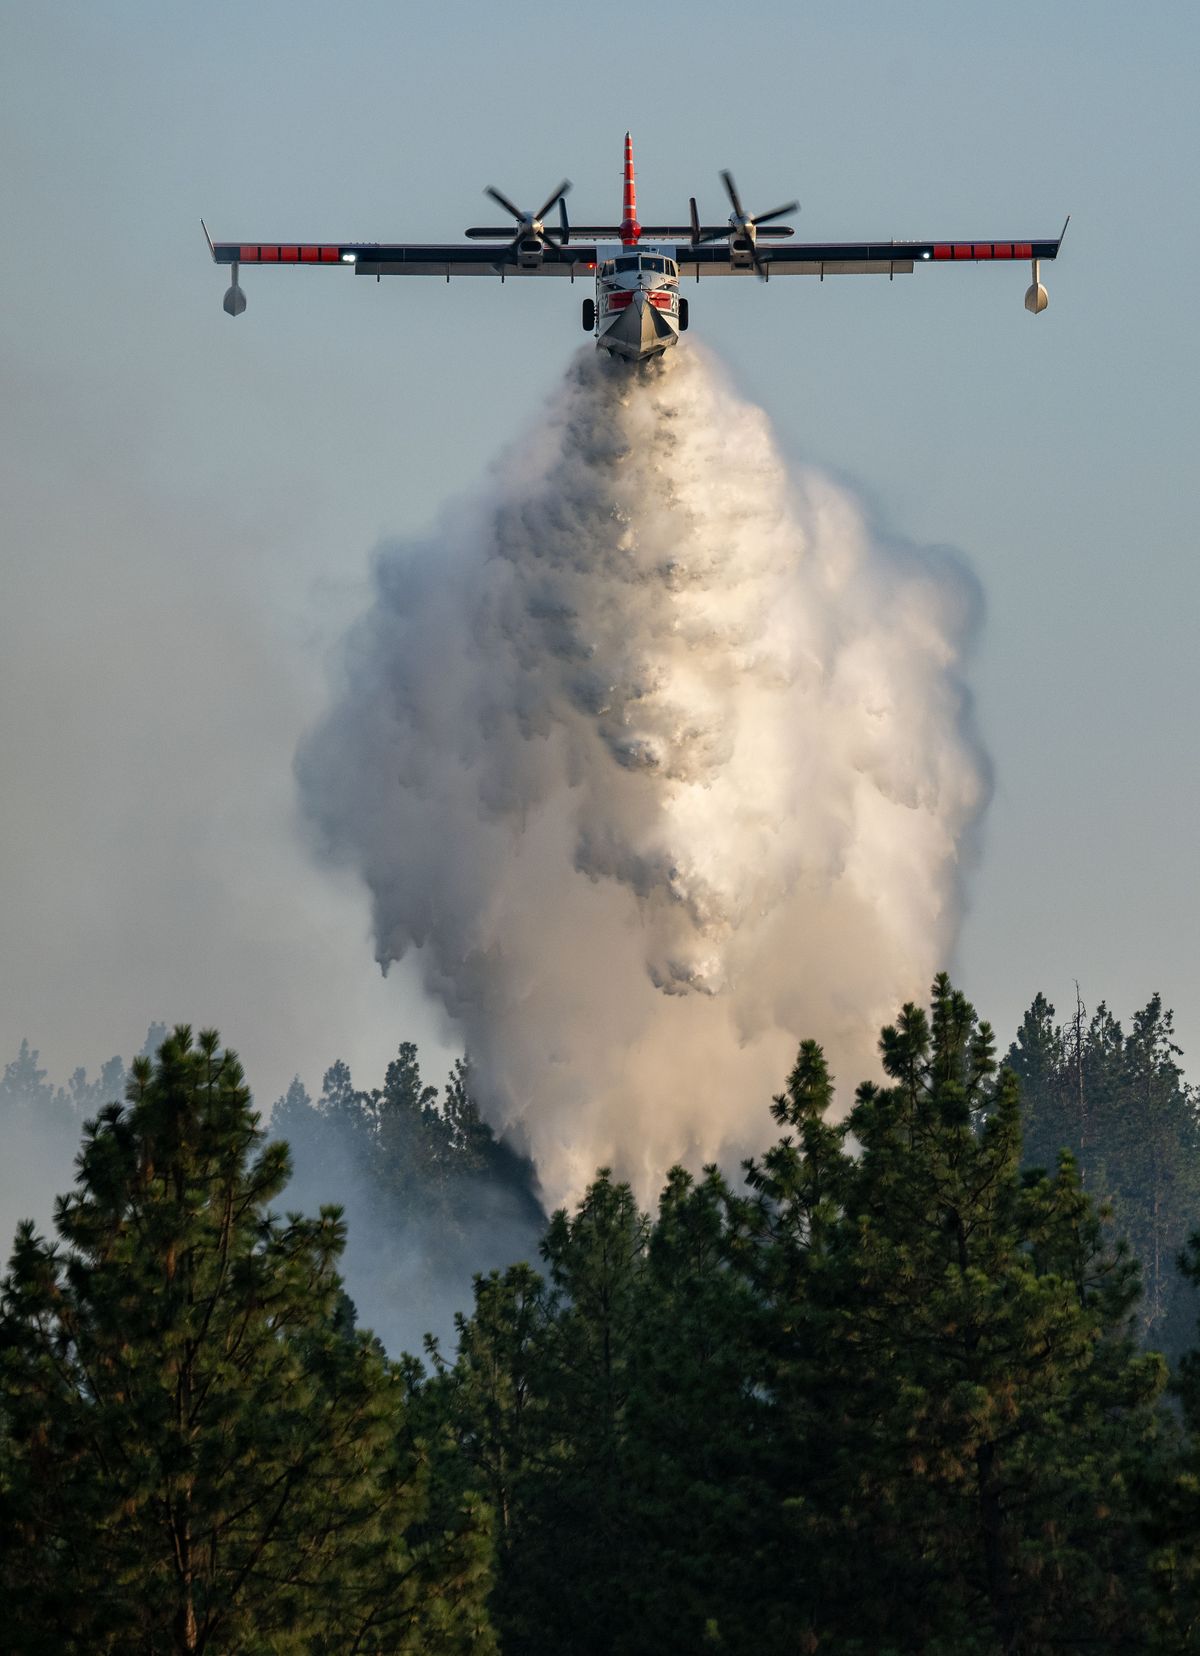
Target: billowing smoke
x,y
662,759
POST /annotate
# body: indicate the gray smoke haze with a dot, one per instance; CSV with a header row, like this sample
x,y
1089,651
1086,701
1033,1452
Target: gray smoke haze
x,y
408,1281
410,1252
661,758
409,1259
162,642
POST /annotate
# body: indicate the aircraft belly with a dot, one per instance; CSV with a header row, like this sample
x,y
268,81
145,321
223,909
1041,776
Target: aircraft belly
x,y
638,331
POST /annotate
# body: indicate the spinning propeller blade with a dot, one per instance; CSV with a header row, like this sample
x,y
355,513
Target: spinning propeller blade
x,y
503,201
741,223
731,192
530,224
550,200
777,212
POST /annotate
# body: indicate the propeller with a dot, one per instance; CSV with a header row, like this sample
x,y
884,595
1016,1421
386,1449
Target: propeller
x,y
531,224
741,223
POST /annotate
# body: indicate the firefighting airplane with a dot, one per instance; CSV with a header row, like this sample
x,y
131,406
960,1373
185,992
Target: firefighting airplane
x,y
637,311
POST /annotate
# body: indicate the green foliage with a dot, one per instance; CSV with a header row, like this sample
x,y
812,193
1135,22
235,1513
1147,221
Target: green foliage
x,y
1119,1104
200,1454
991,1402
886,1400
610,1413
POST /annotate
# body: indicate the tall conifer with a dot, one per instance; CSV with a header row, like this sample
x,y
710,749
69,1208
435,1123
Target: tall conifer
x,y
201,1454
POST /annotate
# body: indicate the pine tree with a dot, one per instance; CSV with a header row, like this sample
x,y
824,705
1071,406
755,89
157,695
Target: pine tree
x,y
594,1260
491,1399
24,1083
1154,1169
888,1401
1000,1405
296,1119
703,1562
1119,1103
87,1097
616,1420
412,1143
1038,1058
350,1112
489,1177
960,1402
470,1137
790,1241
200,1453
1171,1494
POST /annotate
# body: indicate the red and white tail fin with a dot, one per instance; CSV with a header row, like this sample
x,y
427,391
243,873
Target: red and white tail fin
x,y
630,228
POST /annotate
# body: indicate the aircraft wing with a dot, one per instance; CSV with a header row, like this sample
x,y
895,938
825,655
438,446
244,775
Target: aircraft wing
x,y
885,258
410,258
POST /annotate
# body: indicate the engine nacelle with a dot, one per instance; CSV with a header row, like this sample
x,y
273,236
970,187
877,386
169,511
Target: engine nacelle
x,y
743,240
531,250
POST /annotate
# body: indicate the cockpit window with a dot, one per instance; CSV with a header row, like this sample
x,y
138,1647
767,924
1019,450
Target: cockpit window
x,y
651,263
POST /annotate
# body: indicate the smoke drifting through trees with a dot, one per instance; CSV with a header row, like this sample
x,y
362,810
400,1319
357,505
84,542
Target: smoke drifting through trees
x,y
430,1195
40,1124
663,759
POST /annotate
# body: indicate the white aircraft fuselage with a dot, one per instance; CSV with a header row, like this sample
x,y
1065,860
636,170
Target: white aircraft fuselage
x,y
638,310
637,301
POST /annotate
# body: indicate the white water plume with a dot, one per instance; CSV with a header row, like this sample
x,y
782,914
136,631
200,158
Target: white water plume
x,y
662,758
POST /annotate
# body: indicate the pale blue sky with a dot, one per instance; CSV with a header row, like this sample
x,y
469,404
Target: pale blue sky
x,y
190,503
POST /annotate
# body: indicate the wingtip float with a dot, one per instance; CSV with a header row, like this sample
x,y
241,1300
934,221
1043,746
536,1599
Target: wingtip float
x,y
637,310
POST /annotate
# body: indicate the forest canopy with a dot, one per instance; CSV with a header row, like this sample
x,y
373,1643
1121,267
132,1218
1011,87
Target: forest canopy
x,y
901,1387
